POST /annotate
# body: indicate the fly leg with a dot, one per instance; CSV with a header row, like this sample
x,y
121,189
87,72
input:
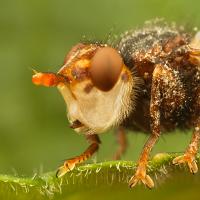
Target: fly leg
x,y
70,164
122,142
140,174
189,156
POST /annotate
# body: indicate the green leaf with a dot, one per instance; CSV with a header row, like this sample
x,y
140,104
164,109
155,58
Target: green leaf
x,y
97,179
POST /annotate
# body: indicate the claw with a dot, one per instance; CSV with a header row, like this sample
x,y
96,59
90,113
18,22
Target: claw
x,y
193,167
189,159
67,167
146,180
133,181
61,171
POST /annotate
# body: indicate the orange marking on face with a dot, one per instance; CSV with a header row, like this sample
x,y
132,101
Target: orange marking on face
x,y
77,71
47,79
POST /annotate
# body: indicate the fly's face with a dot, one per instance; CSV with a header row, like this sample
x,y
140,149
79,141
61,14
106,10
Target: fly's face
x,y
98,94
97,87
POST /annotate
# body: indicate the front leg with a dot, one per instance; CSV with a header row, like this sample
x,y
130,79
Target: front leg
x,y
140,174
72,162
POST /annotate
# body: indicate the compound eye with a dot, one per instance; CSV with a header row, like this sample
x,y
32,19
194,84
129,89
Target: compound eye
x,y
106,66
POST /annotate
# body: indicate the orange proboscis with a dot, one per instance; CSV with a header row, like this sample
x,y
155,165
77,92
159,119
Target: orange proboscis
x,y
47,79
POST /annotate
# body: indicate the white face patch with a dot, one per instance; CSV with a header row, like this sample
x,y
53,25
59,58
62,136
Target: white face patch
x,y
98,110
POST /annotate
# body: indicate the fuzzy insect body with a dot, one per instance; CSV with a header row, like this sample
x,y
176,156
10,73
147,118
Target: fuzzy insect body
x,y
158,45
149,80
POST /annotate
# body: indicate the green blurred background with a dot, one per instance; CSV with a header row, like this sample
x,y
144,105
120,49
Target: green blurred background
x,y
34,133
